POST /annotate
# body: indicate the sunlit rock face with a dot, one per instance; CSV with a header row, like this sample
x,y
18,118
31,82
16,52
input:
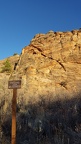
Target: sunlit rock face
x,y
50,65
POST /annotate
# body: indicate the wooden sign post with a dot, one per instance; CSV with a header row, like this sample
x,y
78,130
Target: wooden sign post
x,y
16,84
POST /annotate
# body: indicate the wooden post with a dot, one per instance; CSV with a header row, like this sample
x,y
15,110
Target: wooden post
x,y
14,84
13,131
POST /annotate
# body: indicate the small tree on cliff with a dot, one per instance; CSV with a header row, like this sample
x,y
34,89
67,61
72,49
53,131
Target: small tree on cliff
x,y
7,66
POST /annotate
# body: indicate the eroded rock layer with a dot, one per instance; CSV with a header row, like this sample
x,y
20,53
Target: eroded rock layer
x,y
51,65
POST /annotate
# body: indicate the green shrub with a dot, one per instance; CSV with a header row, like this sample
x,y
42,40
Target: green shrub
x,y
15,54
7,67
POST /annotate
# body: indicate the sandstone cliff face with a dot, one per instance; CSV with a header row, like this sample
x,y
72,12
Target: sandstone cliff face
x,y
51,65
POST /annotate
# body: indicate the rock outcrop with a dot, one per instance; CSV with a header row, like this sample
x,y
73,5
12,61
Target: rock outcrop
x,y
51,65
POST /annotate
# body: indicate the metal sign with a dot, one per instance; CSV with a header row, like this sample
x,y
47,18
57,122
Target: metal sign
x,y
14,84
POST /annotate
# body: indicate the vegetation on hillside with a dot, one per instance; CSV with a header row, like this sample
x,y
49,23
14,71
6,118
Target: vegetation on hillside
x,y
6,67
15,54
56,122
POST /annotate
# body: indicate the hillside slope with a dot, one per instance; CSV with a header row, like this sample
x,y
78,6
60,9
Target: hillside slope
x,y
51,65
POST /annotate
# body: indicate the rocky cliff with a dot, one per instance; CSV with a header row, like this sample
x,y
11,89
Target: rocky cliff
x,y
51,65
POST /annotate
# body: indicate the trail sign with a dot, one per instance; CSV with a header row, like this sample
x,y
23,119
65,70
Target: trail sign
x,y
14,84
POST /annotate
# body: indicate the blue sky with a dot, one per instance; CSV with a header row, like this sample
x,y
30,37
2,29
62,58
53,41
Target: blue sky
x,y
21,20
